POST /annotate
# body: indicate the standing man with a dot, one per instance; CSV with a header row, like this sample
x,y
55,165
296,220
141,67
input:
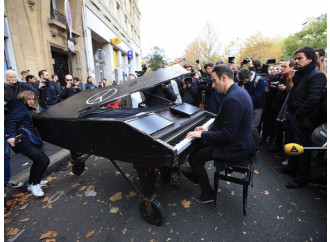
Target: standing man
x,y
70,89
90,84
48,91
56,82
255,86
303,107
229,138
24,74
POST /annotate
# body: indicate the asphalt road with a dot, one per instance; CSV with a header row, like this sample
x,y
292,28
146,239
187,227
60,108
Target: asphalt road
x,y
274,213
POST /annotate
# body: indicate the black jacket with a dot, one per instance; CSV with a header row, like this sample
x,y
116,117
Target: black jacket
x,y
158,91
68,92
305,96
45,91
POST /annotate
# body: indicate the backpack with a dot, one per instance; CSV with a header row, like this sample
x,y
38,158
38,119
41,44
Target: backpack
x,y
256,82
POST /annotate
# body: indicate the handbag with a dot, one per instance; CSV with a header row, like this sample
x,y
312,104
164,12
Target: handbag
x,y
34,137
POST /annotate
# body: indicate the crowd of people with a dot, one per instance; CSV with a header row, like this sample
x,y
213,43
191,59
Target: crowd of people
x,y
288,102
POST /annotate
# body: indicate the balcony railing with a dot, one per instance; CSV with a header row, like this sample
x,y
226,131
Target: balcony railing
x,y
54,14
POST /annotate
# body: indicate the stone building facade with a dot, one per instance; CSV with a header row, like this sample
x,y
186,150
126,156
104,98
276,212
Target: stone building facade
x,y
35,37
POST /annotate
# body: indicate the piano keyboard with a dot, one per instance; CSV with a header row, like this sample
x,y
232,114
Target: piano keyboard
x,y
183,144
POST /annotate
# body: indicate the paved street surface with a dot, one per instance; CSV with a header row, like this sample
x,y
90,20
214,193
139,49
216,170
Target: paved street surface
x,y
78,208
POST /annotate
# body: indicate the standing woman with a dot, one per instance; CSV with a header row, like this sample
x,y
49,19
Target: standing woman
x,y
19,121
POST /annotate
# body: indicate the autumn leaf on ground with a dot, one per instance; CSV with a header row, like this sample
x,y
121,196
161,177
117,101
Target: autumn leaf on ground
x,y
11,231
117,172
24,220
124,231
232,193
168,239
130,195
75,185
49,234
11,203
18,195
84,187
50,240
90,233
266,192
256,171
116,197
114,210
127,175
45,199
173,214
185,203
48,205
91,187
23,207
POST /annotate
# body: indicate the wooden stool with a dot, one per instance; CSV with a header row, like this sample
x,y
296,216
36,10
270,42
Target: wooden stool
x,y
246,180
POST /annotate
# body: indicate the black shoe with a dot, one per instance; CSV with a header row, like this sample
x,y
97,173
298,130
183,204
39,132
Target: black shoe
x,y
295,184
205,198
284,170
190,176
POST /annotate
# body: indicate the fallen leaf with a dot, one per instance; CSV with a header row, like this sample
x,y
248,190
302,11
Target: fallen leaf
x,y
117,172
173,214
171,231
75,185
244,232
116,197
124,231
91,187
23,207
24,220
256,171
185,203
90,233
127,175
84,187
130,195
45,199
50,240
114,210
18,195
232,193
11,203
48,205
85,203
149,230
266,192
49,234
168,239
11,231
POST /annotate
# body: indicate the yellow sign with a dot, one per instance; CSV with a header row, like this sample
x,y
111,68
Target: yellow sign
x,y
116,41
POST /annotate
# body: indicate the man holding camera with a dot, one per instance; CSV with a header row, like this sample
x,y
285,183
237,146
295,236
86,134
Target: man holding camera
x,y
188,87
70,89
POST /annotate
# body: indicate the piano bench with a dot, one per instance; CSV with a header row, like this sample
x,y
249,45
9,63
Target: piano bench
x,y
247,179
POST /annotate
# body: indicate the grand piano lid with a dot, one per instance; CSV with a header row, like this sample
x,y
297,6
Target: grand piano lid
x,y
92,98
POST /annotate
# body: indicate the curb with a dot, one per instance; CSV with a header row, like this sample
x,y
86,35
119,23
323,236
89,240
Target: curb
x,y
55,160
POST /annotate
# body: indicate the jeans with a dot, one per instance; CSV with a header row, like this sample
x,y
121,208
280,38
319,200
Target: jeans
x,y
301,164
39,158
6,160
197,160
257,113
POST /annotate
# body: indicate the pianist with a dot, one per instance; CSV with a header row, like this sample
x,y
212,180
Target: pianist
x,y
228,139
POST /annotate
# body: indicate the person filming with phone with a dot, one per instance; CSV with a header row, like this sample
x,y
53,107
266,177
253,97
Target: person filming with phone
x,y
188,86
23,138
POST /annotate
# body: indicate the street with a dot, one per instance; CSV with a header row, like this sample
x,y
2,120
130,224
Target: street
x,y
99,205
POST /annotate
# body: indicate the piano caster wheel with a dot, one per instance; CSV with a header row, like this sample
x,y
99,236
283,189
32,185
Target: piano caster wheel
x,y
78,168
157,215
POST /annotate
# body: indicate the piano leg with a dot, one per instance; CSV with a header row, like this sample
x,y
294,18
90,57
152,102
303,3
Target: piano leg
x,y
78,162
151,209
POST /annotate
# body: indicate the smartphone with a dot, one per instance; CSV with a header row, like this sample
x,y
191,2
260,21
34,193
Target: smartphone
x,y
197,61
231,59
271,61
18,139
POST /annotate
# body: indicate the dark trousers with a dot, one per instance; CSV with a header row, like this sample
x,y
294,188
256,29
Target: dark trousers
x,y
197,160
39,158
296,134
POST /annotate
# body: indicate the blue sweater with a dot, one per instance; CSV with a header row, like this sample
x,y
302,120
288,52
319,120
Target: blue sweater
x,y
257,93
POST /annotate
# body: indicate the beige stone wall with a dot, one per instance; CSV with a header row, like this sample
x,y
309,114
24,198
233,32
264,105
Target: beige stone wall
x,y
34,34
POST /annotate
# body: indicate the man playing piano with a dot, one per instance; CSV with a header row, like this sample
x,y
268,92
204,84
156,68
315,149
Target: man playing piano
x,y
228,139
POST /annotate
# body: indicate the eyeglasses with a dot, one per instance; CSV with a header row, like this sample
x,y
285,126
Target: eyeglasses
x,y
69,80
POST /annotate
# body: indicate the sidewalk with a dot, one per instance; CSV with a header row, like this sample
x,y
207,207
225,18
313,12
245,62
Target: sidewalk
x,y
20,164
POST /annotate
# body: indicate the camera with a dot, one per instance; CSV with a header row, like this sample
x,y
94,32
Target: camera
x,y
246,60
73,84
187,80
203,82
231,59
274,84
271,61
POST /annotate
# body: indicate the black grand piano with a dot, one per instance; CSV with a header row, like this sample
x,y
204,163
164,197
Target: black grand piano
x,y
151,138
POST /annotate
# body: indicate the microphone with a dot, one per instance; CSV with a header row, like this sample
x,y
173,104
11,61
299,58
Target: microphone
x,y
296,149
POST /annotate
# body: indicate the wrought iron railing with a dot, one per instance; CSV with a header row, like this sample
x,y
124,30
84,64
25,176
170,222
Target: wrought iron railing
x,y
54,14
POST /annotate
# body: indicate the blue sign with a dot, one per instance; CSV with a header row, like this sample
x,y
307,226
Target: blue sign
x,y
130,54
